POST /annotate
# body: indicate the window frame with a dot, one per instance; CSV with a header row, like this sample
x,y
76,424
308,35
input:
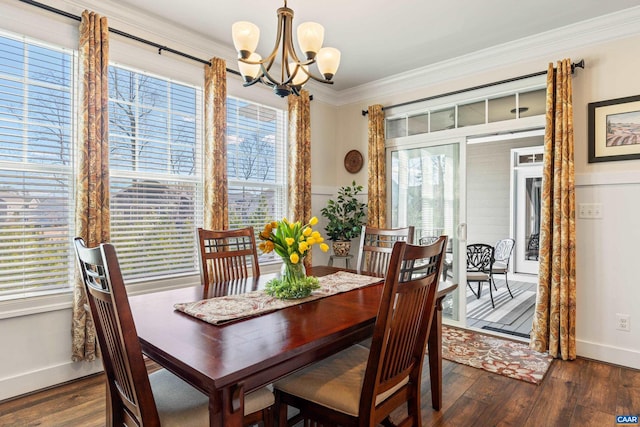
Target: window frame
x,y
51,293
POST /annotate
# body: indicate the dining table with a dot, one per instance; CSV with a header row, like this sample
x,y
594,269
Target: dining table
x,y
227,361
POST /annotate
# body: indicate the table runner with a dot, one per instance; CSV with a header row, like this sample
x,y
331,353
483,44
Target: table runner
x,y
220,310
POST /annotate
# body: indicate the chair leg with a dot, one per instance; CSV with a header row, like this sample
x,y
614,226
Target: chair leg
x,y
267,417
491,295
472,291
507,283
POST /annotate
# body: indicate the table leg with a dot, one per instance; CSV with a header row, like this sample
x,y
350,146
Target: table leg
x,y
435,356
226,407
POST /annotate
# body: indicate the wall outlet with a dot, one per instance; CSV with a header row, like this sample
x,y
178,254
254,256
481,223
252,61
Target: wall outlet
x,y
623,322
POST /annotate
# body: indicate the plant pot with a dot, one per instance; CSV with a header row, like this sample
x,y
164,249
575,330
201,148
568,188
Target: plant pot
x,y
341,247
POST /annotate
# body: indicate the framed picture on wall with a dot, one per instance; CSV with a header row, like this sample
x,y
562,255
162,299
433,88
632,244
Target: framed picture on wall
x,y
614,129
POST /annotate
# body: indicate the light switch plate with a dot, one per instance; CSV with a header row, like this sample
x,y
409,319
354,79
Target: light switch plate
x,y
590,210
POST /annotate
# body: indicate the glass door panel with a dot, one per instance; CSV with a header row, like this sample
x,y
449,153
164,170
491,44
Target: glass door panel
x,y
425,193
528,203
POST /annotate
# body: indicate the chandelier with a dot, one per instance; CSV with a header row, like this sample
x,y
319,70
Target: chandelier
x,y
294,73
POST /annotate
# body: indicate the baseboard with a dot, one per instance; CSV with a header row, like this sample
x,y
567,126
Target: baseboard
x,y
608,353
44,378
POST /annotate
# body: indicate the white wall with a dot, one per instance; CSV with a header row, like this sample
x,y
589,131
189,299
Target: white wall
x,y
36,340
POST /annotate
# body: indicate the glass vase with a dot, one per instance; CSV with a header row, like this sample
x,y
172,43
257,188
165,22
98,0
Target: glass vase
x,y
291,273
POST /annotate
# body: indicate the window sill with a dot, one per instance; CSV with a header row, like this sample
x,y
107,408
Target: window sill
x,y
28,305
63,299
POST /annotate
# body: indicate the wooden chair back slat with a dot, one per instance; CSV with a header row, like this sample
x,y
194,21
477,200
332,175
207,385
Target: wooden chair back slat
x,y
376,245
226,258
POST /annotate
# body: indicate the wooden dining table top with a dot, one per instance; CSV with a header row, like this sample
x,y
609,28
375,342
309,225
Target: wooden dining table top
x,y
253,351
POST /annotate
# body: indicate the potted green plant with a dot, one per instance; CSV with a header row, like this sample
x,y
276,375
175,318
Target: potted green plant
x,y
346,217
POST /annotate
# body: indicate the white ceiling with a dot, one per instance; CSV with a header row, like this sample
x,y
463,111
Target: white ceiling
x,y
381,38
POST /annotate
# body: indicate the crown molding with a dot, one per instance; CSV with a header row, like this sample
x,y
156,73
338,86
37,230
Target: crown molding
x,y
157,30
609,27
602,29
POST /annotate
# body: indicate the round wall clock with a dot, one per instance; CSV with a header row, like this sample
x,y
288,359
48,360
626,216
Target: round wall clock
x,y
353,161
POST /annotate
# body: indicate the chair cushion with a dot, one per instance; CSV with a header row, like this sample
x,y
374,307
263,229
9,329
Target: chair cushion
x,y
499,267
181,405
335,382
474,276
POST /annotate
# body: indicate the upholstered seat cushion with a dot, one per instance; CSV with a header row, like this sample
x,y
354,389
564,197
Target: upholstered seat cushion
x,y
335,382
181,405
499,267
477,276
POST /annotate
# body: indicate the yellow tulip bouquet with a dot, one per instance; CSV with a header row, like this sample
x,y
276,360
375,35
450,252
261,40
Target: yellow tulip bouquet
x,y
292,241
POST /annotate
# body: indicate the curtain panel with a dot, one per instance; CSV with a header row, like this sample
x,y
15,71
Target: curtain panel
x,y
92,180
299,158
554,322
377,191
216,191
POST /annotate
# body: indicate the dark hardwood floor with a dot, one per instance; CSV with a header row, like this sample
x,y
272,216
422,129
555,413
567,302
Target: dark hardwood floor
x,y
579,393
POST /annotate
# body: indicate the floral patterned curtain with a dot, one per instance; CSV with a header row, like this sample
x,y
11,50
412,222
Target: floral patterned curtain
x,y
299,179
377,198
216,215
554,322
92,180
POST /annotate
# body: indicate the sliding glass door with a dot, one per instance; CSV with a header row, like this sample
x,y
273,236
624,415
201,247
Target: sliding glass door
x,y
425,192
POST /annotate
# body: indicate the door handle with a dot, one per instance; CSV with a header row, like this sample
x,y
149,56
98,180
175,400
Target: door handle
x,y
462,232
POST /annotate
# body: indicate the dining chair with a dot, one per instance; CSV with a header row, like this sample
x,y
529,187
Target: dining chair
x,y
447,263
376,245
501,256
225,258
479,260
360,386
135,397
533,247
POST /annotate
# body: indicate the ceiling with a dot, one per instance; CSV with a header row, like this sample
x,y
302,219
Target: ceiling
x,y
381,38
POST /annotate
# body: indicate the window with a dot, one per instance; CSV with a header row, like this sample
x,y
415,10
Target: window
x,y
478,110
256,164
36,167
155,173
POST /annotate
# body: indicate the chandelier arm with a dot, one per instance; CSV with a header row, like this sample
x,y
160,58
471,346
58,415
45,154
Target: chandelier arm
x,y
320,79
269,77
271,58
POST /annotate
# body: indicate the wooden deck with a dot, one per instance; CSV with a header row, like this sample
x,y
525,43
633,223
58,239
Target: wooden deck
x,y
520,327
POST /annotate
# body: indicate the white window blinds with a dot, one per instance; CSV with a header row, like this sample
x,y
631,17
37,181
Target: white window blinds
x,y
256,164
36,170
156,181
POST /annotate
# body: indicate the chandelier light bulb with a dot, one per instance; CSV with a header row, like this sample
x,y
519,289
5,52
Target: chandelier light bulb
x,y
300,77
250,71
328,61
310,38
246,36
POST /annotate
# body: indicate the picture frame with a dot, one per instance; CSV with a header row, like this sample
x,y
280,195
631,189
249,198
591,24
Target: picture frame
x,y
614,129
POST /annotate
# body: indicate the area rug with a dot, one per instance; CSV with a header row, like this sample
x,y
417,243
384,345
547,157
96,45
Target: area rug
x,y
505,357
507,309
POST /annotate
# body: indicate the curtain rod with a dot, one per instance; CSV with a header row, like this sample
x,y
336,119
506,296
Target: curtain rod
x,y
127,35
579,64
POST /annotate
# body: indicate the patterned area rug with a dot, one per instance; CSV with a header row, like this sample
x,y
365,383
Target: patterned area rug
x,y
509,358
